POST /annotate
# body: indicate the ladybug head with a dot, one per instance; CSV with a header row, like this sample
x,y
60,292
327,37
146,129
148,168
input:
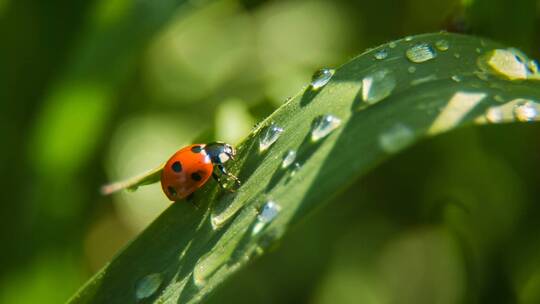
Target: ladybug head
x,y
219,152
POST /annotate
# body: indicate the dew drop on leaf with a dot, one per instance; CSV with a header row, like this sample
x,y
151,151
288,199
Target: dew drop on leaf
x,y
533,66
288,159
269,136
507,64
377,86
494,115
421,52
148,285
321,78
520,109
525,111
267,214
224,211
381,54
396,138
324,125
442,45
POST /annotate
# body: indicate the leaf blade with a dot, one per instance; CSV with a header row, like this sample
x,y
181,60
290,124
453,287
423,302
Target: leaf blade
x,y
196,250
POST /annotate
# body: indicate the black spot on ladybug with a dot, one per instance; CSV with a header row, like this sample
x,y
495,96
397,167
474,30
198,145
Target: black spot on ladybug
x,y
177,166
196,149
171,191
196,176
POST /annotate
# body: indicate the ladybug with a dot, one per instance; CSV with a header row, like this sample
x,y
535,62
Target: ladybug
x,y
185,172
191,167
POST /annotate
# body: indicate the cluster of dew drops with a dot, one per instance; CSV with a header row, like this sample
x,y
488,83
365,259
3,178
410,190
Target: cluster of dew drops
x,y
376,86
379,85
509,64
322,126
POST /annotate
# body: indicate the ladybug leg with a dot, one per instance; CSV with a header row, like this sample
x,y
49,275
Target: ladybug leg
x,y
225,172
218,180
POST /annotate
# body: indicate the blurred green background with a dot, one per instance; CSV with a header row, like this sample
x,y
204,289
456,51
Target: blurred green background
x,y
94,91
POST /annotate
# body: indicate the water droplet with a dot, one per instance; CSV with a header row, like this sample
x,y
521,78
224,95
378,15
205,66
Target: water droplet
x,y
457,78
324,125
411,69
148,285
533,66
381,54
408,38
392,45
288,159
504,63
321,78
377,86
421,52
396,138
520,109
225,210
269,136
525,111
267,214
494,115
442,45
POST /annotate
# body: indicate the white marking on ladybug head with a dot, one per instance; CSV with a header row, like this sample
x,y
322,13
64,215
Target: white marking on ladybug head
x,y
223,157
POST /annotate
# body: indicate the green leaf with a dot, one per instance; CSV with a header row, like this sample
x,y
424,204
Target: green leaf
x,y
385,100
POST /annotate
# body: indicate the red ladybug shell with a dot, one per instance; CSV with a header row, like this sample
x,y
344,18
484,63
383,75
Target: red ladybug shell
x,y
186,171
